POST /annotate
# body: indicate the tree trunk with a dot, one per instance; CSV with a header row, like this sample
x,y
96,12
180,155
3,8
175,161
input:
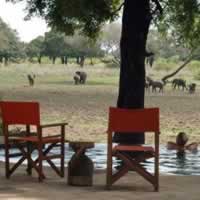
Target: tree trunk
x,y
135,25
78,59
53,60
82,61
6,60
164,79
62,58
91,61
39,59
66,60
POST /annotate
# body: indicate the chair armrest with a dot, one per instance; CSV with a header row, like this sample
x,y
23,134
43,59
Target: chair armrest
x,y
53,125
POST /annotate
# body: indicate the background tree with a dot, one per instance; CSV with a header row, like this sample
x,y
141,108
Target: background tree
x,y
10,46
3,40
110,41
82,47
35,48
165,46
54,44
93,49
79,45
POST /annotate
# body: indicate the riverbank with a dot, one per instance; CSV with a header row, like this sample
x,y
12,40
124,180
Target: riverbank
x,y
21,186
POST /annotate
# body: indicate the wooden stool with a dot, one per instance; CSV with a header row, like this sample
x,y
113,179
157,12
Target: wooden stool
x,y
80,167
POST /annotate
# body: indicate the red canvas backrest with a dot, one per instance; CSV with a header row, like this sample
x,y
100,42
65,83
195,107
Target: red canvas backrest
x,y
133,120
20,112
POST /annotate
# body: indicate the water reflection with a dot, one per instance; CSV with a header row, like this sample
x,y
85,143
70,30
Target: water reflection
x,y
170,162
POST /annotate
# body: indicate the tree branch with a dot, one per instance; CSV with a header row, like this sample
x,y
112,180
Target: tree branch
x,y
164,79
118,9
158,7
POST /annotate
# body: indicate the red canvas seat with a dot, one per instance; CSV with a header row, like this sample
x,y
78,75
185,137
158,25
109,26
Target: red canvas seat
x,y
28,115
133,121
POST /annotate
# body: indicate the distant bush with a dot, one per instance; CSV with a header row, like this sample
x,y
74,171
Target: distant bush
x,y
194,65
174,59
164,64
197,75
112,65
92,61
110,62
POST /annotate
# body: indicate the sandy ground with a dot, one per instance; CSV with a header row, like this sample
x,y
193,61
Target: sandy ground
x,y
132,186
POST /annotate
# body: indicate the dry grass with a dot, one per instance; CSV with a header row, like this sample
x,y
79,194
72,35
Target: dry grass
x,y
85,106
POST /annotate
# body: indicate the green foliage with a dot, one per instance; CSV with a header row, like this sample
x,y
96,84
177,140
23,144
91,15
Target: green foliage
x,y
54,45
181,19
10,46
112,65
110,37
35,48
174,59
197,75
68,16
165,47
81,45
194,65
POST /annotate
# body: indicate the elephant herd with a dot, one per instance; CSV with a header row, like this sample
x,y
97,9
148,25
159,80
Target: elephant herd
x,y
177,83
150,85
80,77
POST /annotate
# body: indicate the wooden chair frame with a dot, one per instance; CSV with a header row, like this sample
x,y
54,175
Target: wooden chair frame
x,y
129,120
20,115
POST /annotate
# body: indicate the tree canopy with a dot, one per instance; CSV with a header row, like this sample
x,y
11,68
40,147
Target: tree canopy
x,y
180,18
70,15
10,46
35,48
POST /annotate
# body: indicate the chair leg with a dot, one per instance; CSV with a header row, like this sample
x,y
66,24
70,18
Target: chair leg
x,y
62,161
108,182
109,173
7,162
156,186
62,151
156,174
40,155
29,151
